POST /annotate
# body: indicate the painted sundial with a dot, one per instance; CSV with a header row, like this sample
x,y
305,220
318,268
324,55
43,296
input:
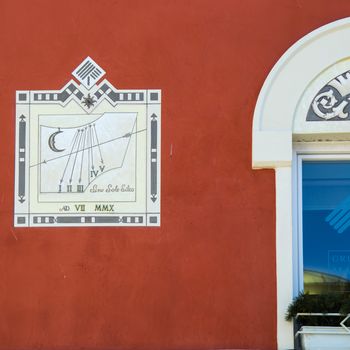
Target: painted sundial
x,y
88,154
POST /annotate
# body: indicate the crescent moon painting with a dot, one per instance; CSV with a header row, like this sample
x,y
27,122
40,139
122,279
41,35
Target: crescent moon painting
x,y
52,141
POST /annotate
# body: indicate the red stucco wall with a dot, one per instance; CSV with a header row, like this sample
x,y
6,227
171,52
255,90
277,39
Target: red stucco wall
x,y
206,278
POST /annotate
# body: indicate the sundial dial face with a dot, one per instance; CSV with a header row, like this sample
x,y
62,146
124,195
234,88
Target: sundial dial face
x,y
88,154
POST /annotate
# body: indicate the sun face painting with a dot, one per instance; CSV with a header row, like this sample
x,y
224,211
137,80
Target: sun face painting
x,y
88,154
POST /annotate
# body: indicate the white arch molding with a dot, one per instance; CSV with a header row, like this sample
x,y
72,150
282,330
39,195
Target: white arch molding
x,y
280,120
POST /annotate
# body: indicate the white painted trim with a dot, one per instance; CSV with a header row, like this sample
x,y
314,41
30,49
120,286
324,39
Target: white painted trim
x,y
321,52
310,62
298,230
284,257
297,226
323,148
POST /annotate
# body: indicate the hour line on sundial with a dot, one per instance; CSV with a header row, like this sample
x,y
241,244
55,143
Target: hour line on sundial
x,y
84,138
85,155
82,157
69,157
98,143
129,134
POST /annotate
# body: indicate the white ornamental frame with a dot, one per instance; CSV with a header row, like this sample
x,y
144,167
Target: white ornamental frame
x,y
88,154
280,121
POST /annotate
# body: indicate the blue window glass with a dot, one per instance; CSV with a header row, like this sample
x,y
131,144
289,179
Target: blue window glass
x,y
326,226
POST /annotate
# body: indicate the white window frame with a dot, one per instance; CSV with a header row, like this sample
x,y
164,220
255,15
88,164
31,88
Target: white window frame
x,y
280,119
314,152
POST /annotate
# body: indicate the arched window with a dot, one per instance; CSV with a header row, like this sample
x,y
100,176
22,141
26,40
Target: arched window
x,y
302,130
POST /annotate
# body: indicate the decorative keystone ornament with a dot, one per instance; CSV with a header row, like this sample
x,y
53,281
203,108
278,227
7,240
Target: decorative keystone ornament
x,y
332,101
